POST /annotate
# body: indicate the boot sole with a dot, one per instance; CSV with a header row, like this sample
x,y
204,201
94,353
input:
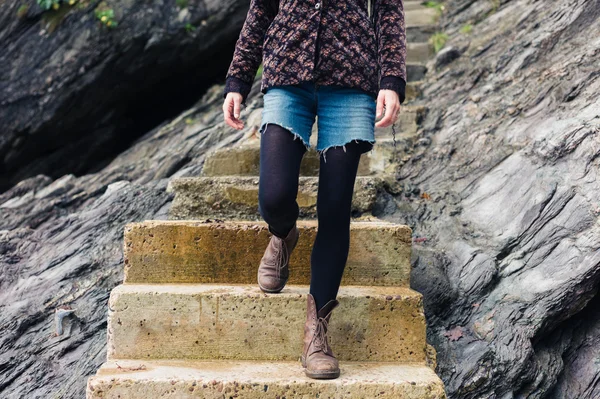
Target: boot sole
x,y
274,291
322,376
318,376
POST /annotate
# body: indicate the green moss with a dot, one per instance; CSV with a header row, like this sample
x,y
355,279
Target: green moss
x,y
54,17
495,6
436,5
181,3
438,40
466,29
22,11
189,28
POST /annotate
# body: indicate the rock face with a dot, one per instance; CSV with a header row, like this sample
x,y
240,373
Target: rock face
x,y
501,192
75,92
512,251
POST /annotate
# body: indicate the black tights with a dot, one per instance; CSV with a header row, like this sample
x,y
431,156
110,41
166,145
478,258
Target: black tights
x,y
280,157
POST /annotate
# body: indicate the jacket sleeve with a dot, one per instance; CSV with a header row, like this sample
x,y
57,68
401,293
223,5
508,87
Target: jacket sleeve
x,y
248,48
390,33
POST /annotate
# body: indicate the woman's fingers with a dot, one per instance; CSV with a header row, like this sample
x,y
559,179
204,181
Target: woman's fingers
x,y
231,110
380,101
388,99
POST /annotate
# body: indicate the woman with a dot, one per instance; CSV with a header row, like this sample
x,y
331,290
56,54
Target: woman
x,y
342,61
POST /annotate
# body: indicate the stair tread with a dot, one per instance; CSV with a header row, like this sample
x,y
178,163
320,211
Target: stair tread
x,y
249,223
292,290
267,371
421,17
256,379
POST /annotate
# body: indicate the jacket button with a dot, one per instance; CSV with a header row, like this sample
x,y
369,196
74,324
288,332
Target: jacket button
x,y
318,5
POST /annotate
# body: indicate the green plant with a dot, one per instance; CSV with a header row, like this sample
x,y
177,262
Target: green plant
x,y
437,5
466,29
438,40
106,16
189,27
54,4
259,71
181,3
22,11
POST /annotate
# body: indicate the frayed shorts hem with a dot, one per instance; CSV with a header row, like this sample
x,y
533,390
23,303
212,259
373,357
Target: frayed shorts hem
x,y
322,151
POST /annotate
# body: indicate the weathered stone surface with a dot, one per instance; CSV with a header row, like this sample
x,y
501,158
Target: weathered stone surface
x,y
74,92
236,197
418,52
257,380
245,160
413,91
241,322
411,5
407,124
229,252
415,72
446,56
423,17
509,232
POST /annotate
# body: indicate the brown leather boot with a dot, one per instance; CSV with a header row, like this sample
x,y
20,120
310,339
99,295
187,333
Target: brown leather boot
x,y
318,359
274,271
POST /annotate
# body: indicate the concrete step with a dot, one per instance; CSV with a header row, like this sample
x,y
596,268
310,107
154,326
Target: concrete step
x,y
236,197
415,72
210,321
418,53
411,5
408,123
420,24
423,17
414,90
245,160
230,252
172,379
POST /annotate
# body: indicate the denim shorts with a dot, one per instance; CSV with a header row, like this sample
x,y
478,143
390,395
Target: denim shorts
x,y
343,114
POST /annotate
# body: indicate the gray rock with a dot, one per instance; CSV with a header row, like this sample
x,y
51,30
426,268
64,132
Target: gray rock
x,y
74,92
506,223
511,260
446,56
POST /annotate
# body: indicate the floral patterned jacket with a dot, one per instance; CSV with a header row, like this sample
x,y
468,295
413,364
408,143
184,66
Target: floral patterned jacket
x,y
331,42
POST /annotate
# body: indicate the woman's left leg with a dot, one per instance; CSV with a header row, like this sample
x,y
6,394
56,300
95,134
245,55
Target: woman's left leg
x,y
334,203
346,119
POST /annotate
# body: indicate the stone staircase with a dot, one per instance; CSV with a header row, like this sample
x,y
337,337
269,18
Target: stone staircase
x,y
189,320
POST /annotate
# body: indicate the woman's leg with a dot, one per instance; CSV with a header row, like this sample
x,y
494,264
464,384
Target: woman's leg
x,y
334,200
280,157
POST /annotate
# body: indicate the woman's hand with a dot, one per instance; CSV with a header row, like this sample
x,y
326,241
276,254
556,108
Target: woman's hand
x,y
231,110
389,99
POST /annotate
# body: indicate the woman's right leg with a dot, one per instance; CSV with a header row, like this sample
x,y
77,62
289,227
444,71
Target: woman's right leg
x,y
280,157
281,152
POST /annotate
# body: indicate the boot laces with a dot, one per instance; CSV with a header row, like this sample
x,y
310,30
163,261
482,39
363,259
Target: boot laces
x,y
280,255
320,338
